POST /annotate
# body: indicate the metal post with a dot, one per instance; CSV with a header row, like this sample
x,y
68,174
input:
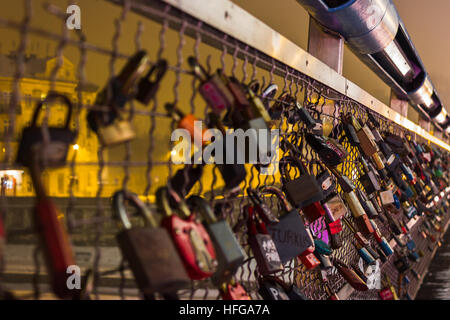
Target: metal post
x,y
326,46
401,106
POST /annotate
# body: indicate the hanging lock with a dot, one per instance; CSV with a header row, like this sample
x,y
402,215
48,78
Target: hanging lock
x,y
367,205
230,254
381,240
190,237
212,88
303,191
368,179
326,181
188,123
271,288
262,245
350,276
149,85
329,150
110,125
351,125
59,138
290,235
148,250
233,172
53,236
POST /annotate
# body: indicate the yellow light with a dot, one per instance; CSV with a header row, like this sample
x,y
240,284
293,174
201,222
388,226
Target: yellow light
x,y
76,147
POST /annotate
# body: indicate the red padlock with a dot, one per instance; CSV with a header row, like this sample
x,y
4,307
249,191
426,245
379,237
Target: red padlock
x,y
308,259
53,236
335,227
313,211
386,294
189,236
234,291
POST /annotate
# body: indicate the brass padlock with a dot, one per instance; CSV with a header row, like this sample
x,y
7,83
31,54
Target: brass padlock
x,y
120,131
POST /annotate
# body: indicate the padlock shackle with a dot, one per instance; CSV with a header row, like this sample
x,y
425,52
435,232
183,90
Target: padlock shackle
x,y
279,194
293,161
270,91
202,206
163,204
198,69
159,69
132,71
118,203
53,95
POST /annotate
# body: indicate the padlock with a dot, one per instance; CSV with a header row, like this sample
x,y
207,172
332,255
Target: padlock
x,y
344,182
350,276
53,236
367,141
233,172
262,245
281,105
59,138
290,235
329,150
359,272
234,291
212,88
230,254
189,236
187,122
368,179
119,131
238,91
308,259
386,294
148,249
364,254
381,240
334,227
336,206
303,191
367,205
351,126
149,85
263,210
409,210
304,116
110,125
387,198
326,181
271,289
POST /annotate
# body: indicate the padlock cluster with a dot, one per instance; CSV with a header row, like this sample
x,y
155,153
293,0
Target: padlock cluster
x,y
395,179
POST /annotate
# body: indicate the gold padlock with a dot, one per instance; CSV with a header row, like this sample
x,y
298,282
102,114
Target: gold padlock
x,y
354,204
387,198
120,131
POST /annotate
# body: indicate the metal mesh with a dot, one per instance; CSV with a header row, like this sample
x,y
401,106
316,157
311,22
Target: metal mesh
x,y
89,219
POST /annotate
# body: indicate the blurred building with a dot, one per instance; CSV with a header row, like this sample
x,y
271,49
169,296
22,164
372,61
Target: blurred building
x,y
34,86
